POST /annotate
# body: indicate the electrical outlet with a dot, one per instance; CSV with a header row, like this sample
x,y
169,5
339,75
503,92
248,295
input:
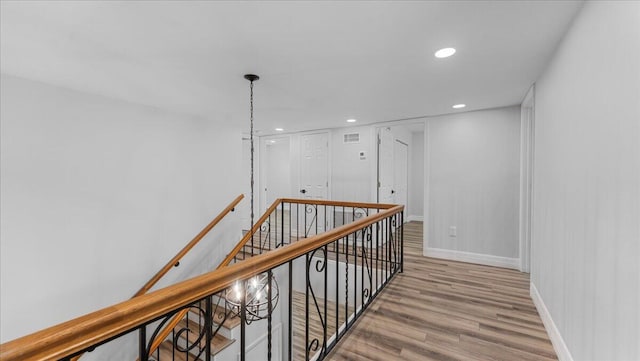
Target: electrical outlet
x,y
453,231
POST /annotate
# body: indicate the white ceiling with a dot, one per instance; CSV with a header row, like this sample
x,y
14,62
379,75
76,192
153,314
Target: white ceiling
x,y
320,62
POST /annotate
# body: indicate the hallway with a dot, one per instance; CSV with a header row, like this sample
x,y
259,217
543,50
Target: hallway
x,y
447,310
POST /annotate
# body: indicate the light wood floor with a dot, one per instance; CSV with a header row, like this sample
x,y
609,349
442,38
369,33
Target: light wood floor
x,y
315,325
446,310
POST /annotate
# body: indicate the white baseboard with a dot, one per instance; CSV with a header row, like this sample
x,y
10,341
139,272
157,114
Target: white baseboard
x,y
554,334
469,257
415,218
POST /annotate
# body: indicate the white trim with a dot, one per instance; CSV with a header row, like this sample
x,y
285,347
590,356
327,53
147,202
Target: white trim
x,y
427,189
484,259
415,218
557,341
527,123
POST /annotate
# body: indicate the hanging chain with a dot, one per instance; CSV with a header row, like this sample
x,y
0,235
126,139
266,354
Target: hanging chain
x,y
251,135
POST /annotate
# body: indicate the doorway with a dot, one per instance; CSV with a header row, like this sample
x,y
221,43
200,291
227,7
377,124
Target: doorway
x,y
314,166
314,177
385,166
277,169
400,172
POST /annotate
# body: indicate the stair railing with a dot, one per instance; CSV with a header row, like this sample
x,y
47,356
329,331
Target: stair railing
x,y
363,240
175,261
173,322
303,217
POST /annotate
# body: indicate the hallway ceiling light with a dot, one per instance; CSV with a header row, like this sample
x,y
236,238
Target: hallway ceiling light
x,y
279,129
445,52
351,120
459,106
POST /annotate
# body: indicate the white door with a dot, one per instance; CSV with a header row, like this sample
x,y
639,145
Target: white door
x,y
385,166
400,173
277,170
314,179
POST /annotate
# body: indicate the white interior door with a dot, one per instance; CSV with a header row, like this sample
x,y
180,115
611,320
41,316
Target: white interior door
x,y
314,178
385,166
277,169
401,172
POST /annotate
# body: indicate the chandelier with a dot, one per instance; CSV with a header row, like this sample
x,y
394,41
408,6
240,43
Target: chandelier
x,y
260,295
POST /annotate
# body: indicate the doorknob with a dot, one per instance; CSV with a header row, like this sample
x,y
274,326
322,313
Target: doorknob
x,y
392,191
303,191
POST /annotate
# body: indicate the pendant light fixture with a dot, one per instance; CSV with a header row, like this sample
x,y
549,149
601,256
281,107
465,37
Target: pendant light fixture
x,y
259,294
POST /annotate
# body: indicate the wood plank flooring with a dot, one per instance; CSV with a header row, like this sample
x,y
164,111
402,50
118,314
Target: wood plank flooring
x,y
315,324
446,310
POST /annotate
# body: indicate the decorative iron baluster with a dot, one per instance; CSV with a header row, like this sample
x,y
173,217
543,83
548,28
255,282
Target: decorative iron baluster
x,y
337,248
310,209
290,348
394,252
281,227
142,343
290,234
264,243
346,280
269,310
365,262
243,321
355,275
320,266
402,242
208,316
306,308
326,299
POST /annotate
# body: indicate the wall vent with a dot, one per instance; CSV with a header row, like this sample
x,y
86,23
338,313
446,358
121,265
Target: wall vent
x,y
352,138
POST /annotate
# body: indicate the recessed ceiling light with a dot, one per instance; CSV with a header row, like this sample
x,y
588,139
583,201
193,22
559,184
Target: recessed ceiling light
x,y
279,129
458,106
445,53
351,120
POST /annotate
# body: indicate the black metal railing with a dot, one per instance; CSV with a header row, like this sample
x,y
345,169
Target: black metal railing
x,y
295,289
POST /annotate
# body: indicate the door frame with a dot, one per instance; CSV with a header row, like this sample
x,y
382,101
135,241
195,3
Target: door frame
x,y
406,188
527,152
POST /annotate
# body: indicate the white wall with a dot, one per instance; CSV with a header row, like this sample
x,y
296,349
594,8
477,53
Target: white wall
x,y
473,184
97,194
350,175
586,226
416,177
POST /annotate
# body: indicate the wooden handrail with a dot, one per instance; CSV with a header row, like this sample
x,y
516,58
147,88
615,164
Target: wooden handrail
x,y
337,203
174,261
279,201
164,333
234,252
78,334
